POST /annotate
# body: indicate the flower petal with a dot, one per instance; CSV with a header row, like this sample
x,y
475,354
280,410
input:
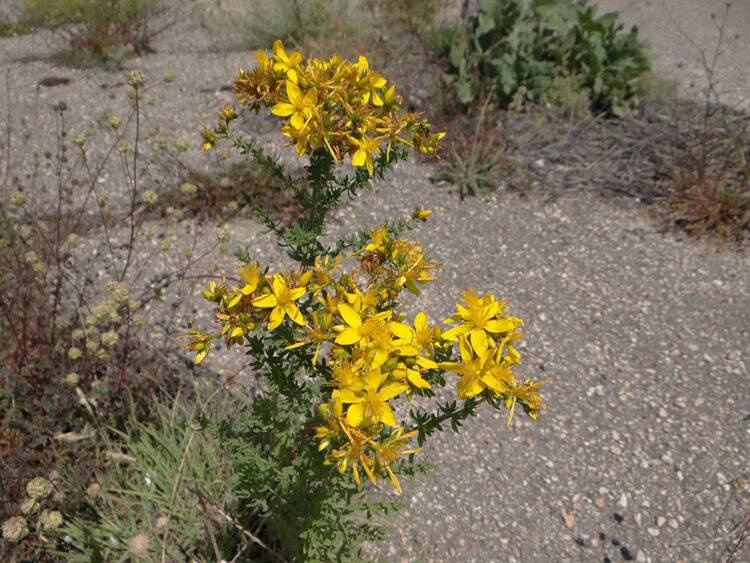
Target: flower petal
x,y
265,301
350,316
500,325
468,386
359,158
294,313
297,292
292,90
283,109
277,315
400,330
387,416
355,414
479,341
454,333
420,321
349,336
417,380
391,390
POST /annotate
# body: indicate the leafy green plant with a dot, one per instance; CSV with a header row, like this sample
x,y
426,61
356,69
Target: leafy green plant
x,y
567,97
511,45
99,31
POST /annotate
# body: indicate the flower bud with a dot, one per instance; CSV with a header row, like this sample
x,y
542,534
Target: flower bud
x,y
136,79
150,198
18,199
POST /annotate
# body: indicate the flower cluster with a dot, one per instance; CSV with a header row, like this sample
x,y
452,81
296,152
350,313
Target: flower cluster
x,y
333,104
352,324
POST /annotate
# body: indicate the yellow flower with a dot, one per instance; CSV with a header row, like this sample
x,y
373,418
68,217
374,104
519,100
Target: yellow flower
x,y
390,99
299,106
215,291
282,301
358,329
421,214
369,401
250,273
353,452
200,342
412,375
209,138
379,239
477,372
365,148
527,393
288,64
411,265
370,82
322,273
423,336
480,321
390,449
334,104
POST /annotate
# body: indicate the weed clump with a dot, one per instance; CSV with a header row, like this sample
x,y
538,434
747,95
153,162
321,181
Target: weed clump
x,y
510,46
99,32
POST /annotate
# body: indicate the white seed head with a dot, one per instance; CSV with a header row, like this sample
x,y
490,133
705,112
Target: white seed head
x,y
138,545
50,519
15,529
29,506
38,488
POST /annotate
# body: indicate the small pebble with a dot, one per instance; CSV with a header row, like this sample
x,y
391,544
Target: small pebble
x,y
623,500
653,532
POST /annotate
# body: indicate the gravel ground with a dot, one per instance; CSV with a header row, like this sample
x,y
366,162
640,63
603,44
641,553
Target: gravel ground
x,y
642,337
644,342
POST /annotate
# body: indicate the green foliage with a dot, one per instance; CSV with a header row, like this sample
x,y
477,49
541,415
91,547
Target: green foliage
x,y
309,511
99,31
156,494
511,46
317,193
566,97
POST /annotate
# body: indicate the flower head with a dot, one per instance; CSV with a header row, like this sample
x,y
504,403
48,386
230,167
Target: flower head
x,y
335,105
15,529
282,301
